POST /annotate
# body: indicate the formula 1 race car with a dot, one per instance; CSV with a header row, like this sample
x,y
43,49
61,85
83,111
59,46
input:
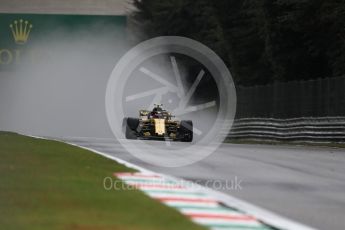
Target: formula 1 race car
x,y
157,125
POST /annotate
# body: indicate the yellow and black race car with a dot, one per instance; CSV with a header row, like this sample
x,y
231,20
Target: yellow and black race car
x,y
157,125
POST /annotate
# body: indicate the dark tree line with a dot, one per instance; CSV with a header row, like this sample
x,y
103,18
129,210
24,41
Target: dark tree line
x,y
261,41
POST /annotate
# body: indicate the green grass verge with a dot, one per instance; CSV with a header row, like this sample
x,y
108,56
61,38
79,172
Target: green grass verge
x,y
52,185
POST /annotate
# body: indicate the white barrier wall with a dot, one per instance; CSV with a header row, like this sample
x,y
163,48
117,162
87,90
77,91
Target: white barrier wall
x,y
88,7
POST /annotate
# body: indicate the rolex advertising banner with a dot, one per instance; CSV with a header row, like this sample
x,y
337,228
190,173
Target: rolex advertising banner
x,y
20,32
54,70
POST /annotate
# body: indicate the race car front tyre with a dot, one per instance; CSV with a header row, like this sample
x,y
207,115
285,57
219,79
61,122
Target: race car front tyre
x,y
131,125
186,131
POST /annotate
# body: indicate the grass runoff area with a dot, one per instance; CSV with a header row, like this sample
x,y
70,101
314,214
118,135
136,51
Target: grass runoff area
x,y
51,185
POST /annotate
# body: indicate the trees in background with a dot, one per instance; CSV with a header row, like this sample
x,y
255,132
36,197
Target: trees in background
x,y
261,41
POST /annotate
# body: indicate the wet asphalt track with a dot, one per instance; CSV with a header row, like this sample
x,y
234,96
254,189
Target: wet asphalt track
x,y
304,184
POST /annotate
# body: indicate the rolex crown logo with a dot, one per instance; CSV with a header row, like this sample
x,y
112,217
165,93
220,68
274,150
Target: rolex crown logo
x,y
21,31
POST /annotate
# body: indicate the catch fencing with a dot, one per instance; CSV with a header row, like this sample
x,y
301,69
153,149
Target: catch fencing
x,y
306,111
304,129
314,98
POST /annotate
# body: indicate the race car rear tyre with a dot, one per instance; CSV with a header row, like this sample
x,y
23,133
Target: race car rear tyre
x,y
186,131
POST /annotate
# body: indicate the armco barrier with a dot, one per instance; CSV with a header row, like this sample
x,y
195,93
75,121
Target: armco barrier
x,y
304,129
